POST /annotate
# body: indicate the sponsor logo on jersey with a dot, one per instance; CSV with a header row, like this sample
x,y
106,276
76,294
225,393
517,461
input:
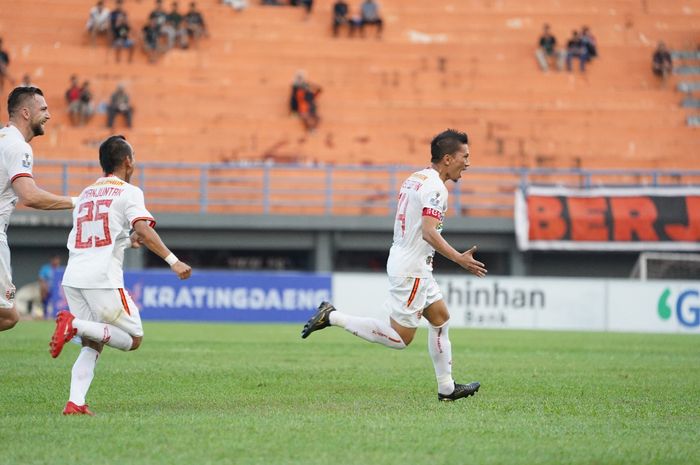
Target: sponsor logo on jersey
x,y
435,199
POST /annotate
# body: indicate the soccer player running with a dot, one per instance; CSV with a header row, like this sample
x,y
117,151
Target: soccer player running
x,y
413,292
28,114
101,310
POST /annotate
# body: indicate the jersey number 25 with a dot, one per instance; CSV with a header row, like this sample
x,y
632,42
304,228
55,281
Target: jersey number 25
x,y
93,213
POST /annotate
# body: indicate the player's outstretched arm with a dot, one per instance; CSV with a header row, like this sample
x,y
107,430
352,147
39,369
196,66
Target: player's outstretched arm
x,y
33,196
466,260
147,236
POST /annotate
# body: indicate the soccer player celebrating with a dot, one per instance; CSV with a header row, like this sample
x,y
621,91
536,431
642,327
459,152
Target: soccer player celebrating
x,y
28,115
101,310
413,291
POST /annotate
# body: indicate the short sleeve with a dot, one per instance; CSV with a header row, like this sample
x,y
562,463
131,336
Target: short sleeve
x,y
433,202
20,161
136,209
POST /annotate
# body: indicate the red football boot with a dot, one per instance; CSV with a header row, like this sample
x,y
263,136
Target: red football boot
x,y
72,409
64,332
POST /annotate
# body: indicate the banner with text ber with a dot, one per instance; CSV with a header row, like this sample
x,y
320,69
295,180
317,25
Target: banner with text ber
x,y
645,218
222,295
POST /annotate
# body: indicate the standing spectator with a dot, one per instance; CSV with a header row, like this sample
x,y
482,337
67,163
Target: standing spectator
x,y
4,64
122,39
175,20
575,48
194,21
661,62
73,100
547,51
85,103
370,15
303,101
340,17
46,275
150,40
589,43
99,21
119,104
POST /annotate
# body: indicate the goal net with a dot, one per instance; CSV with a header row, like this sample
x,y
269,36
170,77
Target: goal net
x,y
661,265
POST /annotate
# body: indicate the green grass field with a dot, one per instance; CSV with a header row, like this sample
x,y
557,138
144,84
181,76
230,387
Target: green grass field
x,y
253,394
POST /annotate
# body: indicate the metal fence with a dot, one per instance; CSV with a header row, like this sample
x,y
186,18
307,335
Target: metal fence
x,y
279,189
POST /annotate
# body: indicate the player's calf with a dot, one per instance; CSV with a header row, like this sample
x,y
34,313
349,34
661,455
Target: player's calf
x,y
8,318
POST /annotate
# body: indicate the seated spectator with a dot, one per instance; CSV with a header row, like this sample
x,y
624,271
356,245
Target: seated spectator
x,y
589,42
122,39
661,62
119,104
162,26
175,20
99,21
575,48
150,40
547,51
114,16
73,100
370,15
303,101
85,108
26,81
4,64
194,21
340,18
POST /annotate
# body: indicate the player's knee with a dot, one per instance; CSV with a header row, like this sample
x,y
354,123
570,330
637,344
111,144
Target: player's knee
x,y
136,342
9,321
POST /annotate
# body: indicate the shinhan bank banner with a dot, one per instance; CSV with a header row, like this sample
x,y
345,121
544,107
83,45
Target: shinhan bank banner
x,y
221,295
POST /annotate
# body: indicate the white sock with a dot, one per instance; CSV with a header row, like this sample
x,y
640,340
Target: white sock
x,y
102,332
82,374
368,329
440,350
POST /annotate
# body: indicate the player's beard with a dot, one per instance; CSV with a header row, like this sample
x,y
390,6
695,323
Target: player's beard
x,y
37,128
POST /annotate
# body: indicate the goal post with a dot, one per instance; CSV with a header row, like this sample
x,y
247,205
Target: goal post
x,y
665,265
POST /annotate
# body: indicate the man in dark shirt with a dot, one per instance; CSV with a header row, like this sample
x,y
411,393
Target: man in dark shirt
x,y
575,48
661,62
340,17
547,50
4,63
194,21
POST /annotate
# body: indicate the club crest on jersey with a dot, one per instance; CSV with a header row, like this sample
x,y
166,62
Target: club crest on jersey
x,y
26,161
10,294
435,199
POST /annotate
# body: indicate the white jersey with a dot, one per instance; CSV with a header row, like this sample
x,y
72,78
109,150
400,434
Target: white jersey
x,y
16,161
422,194
102,218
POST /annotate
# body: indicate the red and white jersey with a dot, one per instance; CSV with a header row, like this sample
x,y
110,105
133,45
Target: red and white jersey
x,y
102,219
16,161
422,194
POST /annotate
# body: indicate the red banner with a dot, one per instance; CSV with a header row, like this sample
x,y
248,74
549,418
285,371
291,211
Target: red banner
x,y
608,219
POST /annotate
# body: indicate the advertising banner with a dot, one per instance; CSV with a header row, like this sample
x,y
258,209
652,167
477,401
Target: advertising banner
x,y
221,295
551,218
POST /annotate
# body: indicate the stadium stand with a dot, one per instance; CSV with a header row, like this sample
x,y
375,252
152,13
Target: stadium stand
x,y
464,64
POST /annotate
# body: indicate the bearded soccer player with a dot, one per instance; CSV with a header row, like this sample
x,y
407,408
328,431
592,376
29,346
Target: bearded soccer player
x,y
413,291
28,115
101,310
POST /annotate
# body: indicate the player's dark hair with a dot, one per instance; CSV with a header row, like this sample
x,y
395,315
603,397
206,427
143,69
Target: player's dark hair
x,y
113,152
446,143
18,96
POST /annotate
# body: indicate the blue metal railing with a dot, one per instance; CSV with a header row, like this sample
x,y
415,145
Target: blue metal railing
x,y
250,188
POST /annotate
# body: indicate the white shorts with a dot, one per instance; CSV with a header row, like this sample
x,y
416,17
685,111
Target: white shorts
x,y
7,289
111,306
408,297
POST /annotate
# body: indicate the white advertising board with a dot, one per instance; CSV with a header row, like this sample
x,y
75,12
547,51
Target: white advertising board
x,y
542,303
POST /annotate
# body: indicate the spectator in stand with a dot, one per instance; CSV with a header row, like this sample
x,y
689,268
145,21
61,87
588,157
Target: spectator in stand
x,y
26,81
194,21
122,39
4,64
163,27
114,16
589,43
340,17
85,103
303,101
175,20
99,21
661,62
119,104
238,5
575,48
370,15
150,40
547,50
73,100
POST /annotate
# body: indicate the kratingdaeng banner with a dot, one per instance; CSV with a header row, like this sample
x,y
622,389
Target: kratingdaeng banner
x,y
552,218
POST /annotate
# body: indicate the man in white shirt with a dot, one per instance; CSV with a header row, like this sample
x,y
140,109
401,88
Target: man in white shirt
x,y
28,116
413,291
101,310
